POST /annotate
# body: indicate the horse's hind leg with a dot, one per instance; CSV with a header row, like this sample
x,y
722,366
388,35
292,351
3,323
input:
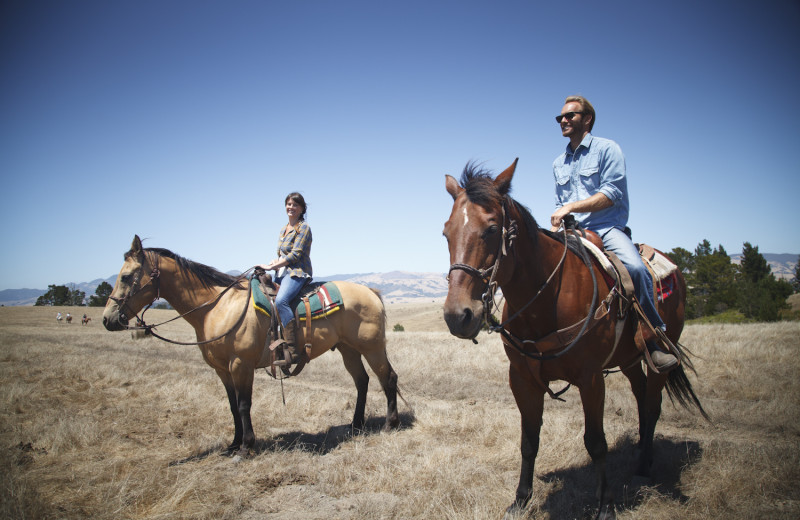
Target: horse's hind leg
x,y
652,412
353,364
379,363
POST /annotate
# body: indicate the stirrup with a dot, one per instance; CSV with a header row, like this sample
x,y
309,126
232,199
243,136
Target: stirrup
x,y
667,360
288,359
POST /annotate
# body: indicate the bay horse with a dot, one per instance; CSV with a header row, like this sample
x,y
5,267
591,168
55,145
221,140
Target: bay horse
x,y
495,242
232,336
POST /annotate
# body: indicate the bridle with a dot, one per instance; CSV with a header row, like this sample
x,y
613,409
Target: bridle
x,y
122,303
155,276
488,277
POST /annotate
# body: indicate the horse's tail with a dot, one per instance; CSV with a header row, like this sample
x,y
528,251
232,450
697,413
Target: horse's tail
x,y
679,388
383,307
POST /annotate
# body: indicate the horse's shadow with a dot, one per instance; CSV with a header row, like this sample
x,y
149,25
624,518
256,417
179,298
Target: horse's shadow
x,y
320,443
573,495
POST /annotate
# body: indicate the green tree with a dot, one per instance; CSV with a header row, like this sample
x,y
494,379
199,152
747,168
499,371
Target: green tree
x,y
703,248
711,282
682,258
796,279
101,294
61,295
760,295
76,298
754,266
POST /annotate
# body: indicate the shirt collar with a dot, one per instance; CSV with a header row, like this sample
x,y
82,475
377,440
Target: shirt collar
x,y
586,143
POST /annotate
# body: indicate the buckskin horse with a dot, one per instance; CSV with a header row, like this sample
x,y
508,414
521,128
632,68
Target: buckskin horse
x,y
232,336
549,294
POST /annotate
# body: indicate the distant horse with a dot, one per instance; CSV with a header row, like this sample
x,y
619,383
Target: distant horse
x,y
494,241
232,336
69,318
59,318
85,320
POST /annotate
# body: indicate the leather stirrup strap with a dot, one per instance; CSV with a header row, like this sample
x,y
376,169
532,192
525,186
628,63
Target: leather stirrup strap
x,y
660,335
307,351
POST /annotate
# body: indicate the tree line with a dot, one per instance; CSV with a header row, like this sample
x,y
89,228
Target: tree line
x,y
71,296
717,286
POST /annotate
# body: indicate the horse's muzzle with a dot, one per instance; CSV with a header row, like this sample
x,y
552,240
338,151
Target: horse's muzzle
x,y
463,322
113,320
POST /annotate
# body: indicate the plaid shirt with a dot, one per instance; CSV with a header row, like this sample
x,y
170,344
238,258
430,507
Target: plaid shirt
x,y
295,247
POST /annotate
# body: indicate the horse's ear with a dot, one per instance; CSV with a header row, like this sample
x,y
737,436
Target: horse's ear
x,y
503,181
452,186
136,249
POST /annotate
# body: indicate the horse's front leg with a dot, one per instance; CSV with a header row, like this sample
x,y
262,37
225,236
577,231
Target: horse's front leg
x,y
638,383
227,382
530,402
594,438
242,374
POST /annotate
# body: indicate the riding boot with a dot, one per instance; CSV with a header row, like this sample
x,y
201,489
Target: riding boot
x,y
290,337
663,361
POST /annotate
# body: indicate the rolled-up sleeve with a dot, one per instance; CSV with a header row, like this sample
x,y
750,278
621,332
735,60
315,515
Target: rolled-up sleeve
x,y
613,183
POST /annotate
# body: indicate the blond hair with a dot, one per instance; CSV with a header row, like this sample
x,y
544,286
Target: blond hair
x,y
586,107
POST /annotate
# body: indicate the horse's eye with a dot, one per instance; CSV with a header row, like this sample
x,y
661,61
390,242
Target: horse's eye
x,y
126,279
491,230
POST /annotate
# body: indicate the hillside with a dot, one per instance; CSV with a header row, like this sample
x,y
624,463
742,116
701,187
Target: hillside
x,y
395,286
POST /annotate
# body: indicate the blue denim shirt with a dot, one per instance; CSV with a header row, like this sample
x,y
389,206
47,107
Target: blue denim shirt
x,y
596,166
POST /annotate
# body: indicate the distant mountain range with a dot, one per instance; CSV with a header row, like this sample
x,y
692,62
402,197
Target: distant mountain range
x,y
395,286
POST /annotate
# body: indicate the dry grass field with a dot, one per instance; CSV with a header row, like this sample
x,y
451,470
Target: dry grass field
x,y
94,424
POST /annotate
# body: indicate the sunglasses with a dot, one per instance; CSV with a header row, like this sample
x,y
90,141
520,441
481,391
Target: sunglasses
x,y
569,116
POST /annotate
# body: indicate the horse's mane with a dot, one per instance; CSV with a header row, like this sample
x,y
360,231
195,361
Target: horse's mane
x,y
208,276
478,184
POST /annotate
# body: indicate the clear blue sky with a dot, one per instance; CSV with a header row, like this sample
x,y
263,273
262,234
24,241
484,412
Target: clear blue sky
x,y
188,122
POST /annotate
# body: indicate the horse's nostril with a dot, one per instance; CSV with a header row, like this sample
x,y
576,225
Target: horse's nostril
x,y
467,317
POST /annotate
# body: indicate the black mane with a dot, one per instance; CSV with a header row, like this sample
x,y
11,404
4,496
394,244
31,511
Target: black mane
x,y
478,183
207,275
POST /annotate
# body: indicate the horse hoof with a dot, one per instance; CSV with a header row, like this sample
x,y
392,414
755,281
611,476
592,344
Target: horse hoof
x,y
231,450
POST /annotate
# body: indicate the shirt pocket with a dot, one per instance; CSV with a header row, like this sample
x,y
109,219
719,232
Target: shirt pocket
x,y
590,174
562,174
563,184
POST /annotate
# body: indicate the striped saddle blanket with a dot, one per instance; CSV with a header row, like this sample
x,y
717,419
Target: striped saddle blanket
x,y
324,299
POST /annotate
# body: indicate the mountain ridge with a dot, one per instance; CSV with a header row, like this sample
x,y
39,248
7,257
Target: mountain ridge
x,y
395,286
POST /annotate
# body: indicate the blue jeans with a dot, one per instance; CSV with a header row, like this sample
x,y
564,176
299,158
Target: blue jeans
x,y
622,246
290,288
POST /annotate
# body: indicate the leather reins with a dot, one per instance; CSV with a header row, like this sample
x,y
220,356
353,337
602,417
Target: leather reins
x,y
155,277
509,234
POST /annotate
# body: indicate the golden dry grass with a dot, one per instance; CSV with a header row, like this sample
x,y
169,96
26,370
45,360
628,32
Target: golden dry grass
x,y
96,425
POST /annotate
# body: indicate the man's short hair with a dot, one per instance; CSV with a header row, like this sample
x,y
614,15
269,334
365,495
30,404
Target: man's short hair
x,y
586,107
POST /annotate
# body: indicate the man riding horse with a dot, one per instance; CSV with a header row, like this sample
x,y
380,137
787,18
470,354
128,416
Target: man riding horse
x,y
591,183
